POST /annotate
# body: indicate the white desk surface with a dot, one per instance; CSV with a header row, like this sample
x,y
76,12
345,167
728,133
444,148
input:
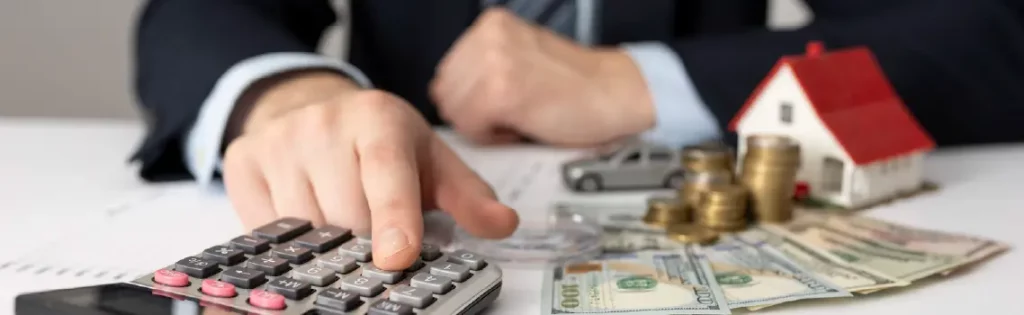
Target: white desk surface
x,y
53,167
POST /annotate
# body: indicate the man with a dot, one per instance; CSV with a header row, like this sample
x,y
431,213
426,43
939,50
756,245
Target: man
x,y
234,88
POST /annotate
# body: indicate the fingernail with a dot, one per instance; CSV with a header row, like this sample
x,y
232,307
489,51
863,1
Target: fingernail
x,y
392,240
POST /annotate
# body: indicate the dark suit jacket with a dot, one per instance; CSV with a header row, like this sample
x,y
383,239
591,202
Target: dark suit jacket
x,y
958,64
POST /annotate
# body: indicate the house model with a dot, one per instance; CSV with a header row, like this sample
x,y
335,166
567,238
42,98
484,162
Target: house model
x,y
859,143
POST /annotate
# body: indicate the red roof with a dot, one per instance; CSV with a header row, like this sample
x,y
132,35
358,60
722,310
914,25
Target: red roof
x,y
855,101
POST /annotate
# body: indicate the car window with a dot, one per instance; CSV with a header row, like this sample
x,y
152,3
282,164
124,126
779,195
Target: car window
x,y
660,156
632,158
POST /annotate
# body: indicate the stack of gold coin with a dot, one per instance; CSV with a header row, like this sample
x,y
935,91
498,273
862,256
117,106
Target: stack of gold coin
x,y
695,183
723,208
768,171
708,156
664,212
692,233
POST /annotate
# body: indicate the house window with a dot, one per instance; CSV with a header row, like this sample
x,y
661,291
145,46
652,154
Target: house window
x,y
786,112
832,175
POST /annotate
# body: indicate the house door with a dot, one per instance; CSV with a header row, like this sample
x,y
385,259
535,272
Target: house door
x,y
832,175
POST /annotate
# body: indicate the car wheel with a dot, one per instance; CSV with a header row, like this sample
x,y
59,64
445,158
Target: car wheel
x,y
589,183
674,180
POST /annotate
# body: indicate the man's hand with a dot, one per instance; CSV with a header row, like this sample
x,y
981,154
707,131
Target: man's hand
x,y
506,78
316,148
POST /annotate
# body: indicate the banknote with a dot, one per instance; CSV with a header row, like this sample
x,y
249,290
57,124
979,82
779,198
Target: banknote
x,y
969,248
649,282
822,264
760,275
623,227
893,261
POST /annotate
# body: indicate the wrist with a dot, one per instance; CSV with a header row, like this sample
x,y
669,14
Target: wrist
x,y
272,97
625,93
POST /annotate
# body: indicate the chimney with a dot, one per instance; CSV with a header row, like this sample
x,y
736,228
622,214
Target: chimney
x,y
815,48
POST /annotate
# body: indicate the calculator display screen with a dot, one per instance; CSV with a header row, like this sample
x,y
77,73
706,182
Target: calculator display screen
x,y
112,299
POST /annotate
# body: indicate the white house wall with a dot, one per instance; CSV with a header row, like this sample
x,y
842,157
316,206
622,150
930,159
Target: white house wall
x,y
816,141
886,178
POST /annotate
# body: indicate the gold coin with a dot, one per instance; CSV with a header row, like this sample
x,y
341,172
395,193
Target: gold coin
x,y
662,211
690,233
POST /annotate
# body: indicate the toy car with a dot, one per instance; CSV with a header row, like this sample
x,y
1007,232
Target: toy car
x,y
636,165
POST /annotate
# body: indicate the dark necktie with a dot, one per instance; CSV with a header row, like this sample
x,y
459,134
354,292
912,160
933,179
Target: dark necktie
x,y
557,15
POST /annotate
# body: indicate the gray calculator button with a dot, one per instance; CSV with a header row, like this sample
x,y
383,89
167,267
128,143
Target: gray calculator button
x,y
243,277
224,255
365,240
436,284
429,251
197,267
324,238
361,252
418,298
282,230
385,307
290,288
338,262
336,299
362,285
316,275
271,265
389,277
449,269
416,265
470,259
293,253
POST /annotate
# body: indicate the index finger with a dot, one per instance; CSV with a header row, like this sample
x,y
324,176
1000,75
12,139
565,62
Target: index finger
x,y
391,182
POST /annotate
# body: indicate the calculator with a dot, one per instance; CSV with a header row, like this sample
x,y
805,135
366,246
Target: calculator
x,y
289,267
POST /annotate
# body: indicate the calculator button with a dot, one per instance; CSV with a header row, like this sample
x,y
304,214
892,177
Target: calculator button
x,y
243,277
361,252
282,230
363,286
218,288
318,276
267,300
416,265
338,262
250,245
224,255
290,288
170,278
197,267
429,252
436,284
271,265
324,238
470,259
418,298
385,307
337,299
365,240
293,252
451,270
386,276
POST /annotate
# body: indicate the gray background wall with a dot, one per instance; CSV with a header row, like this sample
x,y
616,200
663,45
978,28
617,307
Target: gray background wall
x,y
71,58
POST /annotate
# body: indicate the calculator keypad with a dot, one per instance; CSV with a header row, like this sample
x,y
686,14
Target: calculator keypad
x,y
290,266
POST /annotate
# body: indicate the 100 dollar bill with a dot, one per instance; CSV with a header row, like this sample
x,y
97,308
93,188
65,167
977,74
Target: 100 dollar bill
x,y
893,261
759,275
821,263
651,282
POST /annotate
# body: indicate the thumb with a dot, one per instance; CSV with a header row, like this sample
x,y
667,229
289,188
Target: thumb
x,y
467,198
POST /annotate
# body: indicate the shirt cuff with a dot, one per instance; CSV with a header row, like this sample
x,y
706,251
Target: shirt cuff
x,y
202,147
681,117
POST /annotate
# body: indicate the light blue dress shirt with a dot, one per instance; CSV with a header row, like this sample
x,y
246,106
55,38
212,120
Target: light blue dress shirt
x,y
681,116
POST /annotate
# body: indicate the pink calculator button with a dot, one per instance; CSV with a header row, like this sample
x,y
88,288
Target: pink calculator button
x,y
170,278
218,288
266,300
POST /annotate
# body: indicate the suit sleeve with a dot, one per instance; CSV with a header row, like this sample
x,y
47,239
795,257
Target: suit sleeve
x,y
182,48
958,65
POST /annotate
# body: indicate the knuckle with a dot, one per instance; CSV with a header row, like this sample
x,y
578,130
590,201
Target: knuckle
x,y
381,150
